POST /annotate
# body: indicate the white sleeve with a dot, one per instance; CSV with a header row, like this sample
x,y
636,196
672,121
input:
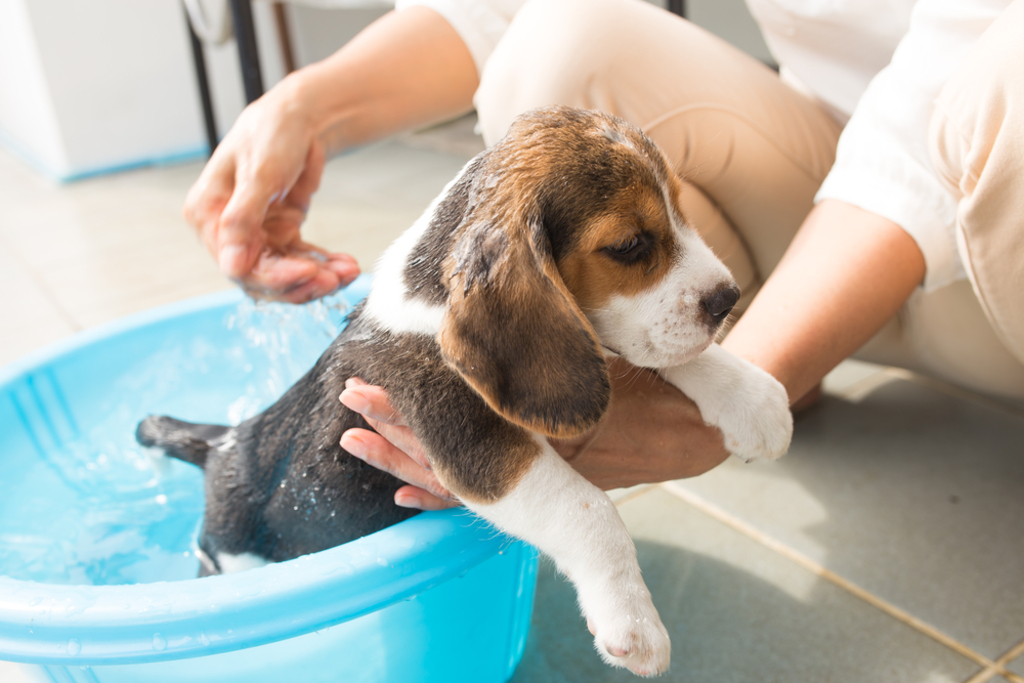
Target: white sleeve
x,y
480,23
882,162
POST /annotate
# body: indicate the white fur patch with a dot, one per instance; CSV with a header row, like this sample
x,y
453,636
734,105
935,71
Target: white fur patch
x,y
748,405
388,304
229,564
228,441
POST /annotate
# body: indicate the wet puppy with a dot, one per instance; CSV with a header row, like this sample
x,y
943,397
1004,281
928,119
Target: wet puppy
x,y
488,324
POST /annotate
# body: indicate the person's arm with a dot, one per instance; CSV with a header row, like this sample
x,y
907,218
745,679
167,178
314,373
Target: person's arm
x,y
842,279
847,272
409,68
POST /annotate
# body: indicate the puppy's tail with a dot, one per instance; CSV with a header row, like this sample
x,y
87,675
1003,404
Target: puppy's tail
x,y
182,440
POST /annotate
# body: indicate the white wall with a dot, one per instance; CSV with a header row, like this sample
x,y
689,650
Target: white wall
x,y
111,75
28,123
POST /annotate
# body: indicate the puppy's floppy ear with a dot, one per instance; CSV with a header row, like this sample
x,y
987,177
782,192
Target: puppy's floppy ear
x,y
514,332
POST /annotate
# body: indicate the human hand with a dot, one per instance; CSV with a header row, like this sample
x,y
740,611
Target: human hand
x,y
394,448
251,199
650,433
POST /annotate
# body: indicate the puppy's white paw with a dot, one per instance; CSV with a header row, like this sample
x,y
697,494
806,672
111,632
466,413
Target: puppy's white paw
x,y
632,637
759,423
748,405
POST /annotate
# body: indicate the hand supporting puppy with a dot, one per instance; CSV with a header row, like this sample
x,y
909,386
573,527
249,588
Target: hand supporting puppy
x,y
394,448
651,433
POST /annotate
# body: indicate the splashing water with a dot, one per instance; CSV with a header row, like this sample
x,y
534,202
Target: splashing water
x,y
98,508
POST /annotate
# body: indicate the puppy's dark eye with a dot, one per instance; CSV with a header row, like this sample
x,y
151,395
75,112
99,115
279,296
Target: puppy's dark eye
x,y
635,249
625,247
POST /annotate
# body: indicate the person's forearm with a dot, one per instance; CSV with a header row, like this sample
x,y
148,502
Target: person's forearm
x,y
846,274
408,69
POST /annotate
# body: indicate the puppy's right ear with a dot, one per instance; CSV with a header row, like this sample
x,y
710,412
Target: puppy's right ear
x,y
515,333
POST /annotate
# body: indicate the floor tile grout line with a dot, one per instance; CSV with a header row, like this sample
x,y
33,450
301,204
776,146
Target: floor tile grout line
x,y
984,675
635,494
1003,660
799,558
1011,654
989,672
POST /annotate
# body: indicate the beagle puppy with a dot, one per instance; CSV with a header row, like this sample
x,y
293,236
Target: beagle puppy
x,y
488,324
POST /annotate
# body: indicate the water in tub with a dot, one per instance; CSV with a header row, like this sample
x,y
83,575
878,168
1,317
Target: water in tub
x,y
100,509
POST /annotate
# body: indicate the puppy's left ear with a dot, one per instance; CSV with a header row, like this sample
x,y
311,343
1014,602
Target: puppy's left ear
x,y
515,334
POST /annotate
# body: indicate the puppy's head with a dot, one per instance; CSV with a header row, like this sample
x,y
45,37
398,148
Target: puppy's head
x,y
571,238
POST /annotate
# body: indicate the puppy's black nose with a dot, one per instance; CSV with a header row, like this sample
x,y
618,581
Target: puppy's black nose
x,y
720,303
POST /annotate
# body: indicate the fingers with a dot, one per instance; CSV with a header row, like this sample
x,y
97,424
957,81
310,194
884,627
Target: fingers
x,y
369,401
393,448
372,403
375,450
421,499
240,235
300,276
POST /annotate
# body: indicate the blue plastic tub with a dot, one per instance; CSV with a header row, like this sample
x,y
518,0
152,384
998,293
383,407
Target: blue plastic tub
x,y
97,559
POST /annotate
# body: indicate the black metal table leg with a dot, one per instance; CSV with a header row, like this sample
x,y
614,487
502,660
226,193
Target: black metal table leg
x,y
199,59
245,36
677,7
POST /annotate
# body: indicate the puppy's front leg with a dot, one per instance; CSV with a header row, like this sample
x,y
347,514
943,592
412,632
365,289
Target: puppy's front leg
x,y
747,404
577,525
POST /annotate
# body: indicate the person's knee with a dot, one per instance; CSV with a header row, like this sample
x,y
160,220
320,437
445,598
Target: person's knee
x,y
554,52
980,109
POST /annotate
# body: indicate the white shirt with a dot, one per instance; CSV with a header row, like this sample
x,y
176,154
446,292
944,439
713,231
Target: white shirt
x,y
878,64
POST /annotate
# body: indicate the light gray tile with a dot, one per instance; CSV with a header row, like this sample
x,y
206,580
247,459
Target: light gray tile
x,y
848,375
736,611
29,316
458,137
1017,666
914,495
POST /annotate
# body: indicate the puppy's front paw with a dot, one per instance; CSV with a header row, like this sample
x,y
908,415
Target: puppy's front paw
x,y
748,405
633,638
760,424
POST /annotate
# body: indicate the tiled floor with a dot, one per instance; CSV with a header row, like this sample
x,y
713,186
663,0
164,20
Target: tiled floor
x,y
887,546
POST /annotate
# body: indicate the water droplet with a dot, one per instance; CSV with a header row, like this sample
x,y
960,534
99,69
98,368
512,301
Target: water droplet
x,y
161,499
159,642
74,647
382,562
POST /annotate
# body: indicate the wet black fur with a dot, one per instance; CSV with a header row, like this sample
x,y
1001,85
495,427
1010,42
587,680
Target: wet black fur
x,y
285,487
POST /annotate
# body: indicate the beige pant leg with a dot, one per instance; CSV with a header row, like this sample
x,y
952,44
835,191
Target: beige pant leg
x,y
751,150
977,144
972,333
